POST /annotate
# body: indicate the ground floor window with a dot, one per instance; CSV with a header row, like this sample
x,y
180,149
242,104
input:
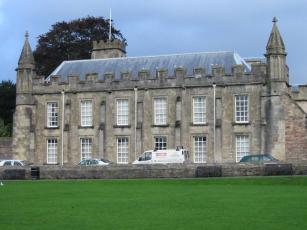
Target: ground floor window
x,y
122,150
200,149
242,146
52,151
160,143
86,148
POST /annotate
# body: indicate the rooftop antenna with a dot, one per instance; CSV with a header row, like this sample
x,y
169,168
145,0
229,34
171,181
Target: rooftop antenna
x,y
110,33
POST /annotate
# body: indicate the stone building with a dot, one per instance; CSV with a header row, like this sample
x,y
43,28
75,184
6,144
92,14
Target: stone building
x,y
217,105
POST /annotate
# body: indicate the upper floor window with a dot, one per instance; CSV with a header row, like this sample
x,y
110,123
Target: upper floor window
x,y
241,108
160,143
86,148
52,114
160,109
86,113
122,112
199,110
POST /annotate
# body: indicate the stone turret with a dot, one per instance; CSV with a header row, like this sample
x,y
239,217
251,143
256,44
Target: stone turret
x,y
23,134
277,88
25,73
108,49
276,56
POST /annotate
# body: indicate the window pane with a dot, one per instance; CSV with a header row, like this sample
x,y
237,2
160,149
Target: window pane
x,y
160,143
86,148
122,112
200,149
86,113
52,114
160,111
199,110
242,146
241,106
122,150
52,149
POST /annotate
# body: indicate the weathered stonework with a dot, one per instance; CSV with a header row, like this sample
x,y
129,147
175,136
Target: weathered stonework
x,y
276,115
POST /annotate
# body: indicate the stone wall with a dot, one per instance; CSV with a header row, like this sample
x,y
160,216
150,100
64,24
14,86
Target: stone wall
x,y
295,131
6,148
153,171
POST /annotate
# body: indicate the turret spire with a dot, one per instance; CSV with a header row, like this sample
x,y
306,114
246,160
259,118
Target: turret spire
x,y
26,56
275,44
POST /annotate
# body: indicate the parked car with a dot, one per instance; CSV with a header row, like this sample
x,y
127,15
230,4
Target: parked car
x,y
11,163
259,158
93,162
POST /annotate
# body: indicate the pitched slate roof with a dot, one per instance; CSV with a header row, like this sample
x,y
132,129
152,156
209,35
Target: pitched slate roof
x,y
151,63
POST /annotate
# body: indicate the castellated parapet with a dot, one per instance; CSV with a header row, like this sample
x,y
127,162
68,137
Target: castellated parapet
x,y
144,79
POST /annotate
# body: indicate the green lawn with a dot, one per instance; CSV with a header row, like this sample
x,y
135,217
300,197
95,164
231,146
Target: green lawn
x,y
231,203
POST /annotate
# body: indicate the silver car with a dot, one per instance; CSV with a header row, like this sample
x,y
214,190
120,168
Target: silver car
x,y
11,163
93,162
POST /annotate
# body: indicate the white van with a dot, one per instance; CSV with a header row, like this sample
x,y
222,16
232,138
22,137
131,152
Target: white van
x,y
178,155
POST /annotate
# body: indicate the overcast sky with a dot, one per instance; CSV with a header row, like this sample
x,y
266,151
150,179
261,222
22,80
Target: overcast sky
x,y
154,27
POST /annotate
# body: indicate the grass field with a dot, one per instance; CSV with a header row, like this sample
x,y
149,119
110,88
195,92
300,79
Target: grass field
x,y
232,203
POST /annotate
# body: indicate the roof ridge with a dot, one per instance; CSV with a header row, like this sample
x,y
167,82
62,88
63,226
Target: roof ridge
x,y
152,56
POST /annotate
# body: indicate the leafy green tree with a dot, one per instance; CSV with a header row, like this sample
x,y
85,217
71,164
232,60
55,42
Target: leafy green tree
x,y
7,106
70,41
5,129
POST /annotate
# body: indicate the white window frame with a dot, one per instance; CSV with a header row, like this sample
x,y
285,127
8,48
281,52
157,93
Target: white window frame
x,y
122,144
242,146
200,144
199,109
160,142
122,106
52,151
86,113
86,148
241,108
52,114
160,111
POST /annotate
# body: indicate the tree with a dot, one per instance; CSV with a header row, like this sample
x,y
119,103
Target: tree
x,y
70,41
7,107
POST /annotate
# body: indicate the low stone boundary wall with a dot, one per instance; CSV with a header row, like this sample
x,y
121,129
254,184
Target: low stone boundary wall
x,y
151,171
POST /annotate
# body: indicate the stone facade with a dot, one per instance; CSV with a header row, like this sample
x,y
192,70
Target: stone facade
x,y
224,85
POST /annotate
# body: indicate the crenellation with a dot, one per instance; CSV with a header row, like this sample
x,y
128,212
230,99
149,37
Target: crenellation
x,y
217,70
91,77
126,76
161,73
144,74
109,77
116,43
180,72
237,70
73,79
199,72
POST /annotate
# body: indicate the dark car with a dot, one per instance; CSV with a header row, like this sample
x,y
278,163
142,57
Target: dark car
x,y
260,158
